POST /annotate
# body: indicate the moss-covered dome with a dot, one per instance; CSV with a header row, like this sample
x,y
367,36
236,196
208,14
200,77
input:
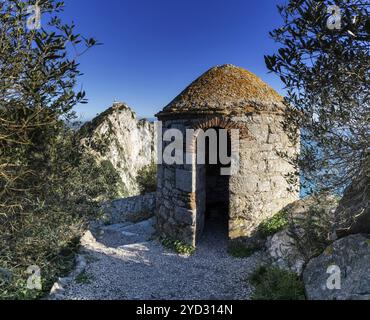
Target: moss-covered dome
x,y
224,90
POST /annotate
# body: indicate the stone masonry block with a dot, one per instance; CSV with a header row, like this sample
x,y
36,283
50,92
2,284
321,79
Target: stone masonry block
x,y
184,180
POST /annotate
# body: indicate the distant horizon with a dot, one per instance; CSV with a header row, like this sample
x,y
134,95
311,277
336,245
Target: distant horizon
x,y
151,118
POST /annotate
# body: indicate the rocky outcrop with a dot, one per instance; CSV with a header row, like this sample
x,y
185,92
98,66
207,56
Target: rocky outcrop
x,y
282,250
301,208
308,232
353,213
117,135
341,272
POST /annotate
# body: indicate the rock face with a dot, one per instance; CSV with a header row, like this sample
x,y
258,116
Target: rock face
x,y
300,208
288,252
118,136
350,259
353,213
284,253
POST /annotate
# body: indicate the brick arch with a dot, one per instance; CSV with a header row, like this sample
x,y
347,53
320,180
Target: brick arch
x,y
224,123
218,122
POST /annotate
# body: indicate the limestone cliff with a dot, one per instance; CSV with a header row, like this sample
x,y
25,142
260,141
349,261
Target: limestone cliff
x,y
119,136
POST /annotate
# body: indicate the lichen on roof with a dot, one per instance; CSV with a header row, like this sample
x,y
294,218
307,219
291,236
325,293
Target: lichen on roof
x,y
225,90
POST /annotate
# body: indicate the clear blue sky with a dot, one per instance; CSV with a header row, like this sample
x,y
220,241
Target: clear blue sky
x,y
152,49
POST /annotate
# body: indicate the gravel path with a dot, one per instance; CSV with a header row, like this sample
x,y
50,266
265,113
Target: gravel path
x,y
125,262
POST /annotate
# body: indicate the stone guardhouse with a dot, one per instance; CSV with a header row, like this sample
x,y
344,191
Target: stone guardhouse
x,y
190,194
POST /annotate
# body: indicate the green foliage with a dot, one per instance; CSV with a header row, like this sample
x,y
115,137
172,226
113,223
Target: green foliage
x,y
49,188
240,250
147,179
326,74
48,235
274,225
48,241
312,232
84,278
272,283
178,246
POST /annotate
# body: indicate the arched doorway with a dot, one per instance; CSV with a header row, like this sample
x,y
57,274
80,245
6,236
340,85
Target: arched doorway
x,y
213,186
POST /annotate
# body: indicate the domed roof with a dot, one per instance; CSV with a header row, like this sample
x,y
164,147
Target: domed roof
x,y
225,90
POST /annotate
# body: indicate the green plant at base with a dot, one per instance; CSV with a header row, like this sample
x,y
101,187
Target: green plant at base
x,y
178,246
240,250
147,179
272,283
312,236
274,225
84,278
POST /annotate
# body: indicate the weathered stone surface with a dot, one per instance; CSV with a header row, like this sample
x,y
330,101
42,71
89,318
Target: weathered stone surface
x,y
284,253
118,136
264,186
5,275
255,193
352,256
132,209
302,207
184,180
284,250
353,213
184,216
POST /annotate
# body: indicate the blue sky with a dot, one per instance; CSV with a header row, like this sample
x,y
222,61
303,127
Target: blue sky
x,y
153,49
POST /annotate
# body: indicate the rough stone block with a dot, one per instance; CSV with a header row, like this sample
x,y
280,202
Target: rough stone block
x,y
185,216
267,147
262,166
184,181
264,186
274,138
169,174
244,185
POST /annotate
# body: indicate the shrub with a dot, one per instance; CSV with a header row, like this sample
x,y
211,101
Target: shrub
x,y
84,278
312,232
272,283
309,223
48,188
147,179
48,234
240,250
274,225
48,241
178,246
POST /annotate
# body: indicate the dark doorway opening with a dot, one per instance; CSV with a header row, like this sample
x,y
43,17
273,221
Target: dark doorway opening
x,y
217,200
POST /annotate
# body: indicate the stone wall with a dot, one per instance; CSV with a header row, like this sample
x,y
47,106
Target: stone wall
x,y
260,190
176,201
131,209
257,192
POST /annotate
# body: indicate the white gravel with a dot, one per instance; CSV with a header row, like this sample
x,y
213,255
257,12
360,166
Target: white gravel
x,y
125,262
